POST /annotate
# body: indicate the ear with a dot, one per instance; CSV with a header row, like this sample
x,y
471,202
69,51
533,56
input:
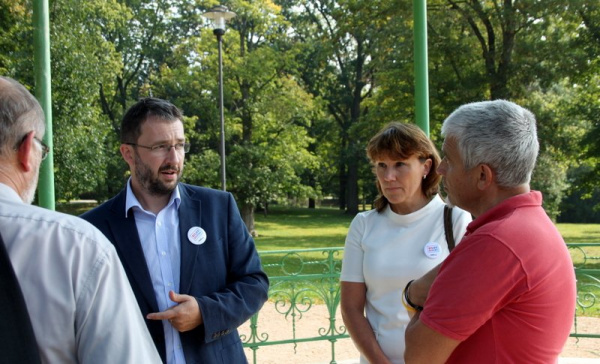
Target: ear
x,y
427,166
127,153
485,177
24,153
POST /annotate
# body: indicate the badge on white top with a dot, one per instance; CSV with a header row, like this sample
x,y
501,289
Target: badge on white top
x,y
432,250
196,235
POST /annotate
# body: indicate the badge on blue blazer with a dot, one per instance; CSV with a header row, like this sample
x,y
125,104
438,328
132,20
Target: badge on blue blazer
x,y
197,235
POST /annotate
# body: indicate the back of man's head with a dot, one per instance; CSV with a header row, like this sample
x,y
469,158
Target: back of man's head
x,y
20,113
498,133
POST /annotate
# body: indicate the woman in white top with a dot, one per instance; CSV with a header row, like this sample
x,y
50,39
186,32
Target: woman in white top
x,y
402,238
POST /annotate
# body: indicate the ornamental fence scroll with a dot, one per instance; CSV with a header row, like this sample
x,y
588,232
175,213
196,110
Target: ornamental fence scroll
x,y
300,280
586,260
304,279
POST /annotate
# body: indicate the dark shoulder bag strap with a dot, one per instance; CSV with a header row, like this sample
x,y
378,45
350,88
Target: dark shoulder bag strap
x,y
17,339
448,227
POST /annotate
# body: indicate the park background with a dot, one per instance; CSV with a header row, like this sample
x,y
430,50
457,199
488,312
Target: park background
x,y
306,84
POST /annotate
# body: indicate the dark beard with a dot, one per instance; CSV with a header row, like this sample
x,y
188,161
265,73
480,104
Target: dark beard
x,y
153,185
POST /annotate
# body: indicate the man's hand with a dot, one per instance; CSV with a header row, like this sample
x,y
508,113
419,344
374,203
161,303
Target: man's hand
x,y
419,288
184,316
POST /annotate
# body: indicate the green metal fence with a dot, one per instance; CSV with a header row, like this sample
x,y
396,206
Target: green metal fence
x,y
299,280
302,279
586,260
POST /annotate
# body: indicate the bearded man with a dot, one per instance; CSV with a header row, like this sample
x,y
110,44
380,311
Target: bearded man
x,y
191,262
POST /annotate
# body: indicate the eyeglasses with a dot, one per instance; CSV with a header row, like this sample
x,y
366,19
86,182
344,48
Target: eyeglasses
x,y
45,148
164,149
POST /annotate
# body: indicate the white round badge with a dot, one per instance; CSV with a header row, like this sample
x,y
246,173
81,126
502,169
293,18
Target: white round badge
x,y
197,235
432,250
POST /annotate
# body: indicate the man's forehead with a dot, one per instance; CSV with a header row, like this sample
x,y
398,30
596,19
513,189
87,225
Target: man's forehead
x,y
155,127
448,142
450,147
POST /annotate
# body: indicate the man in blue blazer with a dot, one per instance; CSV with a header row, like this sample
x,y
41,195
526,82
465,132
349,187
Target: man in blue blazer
x,y
189,258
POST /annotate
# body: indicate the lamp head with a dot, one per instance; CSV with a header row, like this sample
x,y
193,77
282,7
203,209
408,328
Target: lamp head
x,y
219,16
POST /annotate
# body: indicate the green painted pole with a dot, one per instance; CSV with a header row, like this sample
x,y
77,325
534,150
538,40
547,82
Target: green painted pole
x,y
43,92
421,76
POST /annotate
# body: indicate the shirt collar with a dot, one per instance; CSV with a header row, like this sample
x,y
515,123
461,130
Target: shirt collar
x,y
529,199
131,201
9,194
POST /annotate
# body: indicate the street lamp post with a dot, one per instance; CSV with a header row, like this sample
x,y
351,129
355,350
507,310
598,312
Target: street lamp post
x,y
219,16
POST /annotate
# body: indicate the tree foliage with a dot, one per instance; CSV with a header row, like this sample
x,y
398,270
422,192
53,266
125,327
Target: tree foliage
x,y
341,41
306,84
78,49
271,111
493,49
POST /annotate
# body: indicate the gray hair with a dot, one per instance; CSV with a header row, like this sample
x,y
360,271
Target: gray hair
x,y
20,113
498,133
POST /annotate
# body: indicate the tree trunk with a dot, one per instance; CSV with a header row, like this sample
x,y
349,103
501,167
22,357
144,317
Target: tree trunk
x,y
352,184
497,68
342,182
247,212
353,152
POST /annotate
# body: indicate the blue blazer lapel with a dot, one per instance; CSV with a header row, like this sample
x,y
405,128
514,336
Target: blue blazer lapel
x,y
127,242
189,216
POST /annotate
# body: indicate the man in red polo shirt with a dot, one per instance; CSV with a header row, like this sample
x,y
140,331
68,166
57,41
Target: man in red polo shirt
x,y
507,293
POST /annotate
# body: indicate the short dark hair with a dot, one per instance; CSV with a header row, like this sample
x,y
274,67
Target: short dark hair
x,y
401,140
131,125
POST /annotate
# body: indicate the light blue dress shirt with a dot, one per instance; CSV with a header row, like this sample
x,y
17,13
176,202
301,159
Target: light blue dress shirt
x,y
159,235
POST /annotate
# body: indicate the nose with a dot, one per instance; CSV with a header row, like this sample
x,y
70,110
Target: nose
x,y
389,174
173,154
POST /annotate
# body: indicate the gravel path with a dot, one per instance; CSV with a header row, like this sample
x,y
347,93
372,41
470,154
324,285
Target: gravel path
x,y
277,327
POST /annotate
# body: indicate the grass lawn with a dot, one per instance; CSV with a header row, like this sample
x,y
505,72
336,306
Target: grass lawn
x,y
302,228
580,233
76,207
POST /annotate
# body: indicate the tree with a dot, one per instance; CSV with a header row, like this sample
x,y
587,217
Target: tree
x,y
273,113
81,59
588,105
267,113
307,83
339,41
144,39
580,206
493,49
16,39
